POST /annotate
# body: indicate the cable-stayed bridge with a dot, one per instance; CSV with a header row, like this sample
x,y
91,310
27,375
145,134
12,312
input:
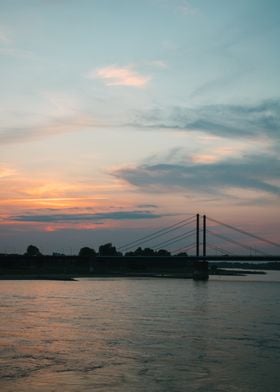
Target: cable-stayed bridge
x,y
205,238
182,250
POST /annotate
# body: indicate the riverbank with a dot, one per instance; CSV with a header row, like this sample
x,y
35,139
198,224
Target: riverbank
x,y
36,277
175,275
231,272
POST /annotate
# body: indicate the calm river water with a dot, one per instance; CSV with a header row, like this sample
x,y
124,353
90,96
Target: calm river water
x,y
124,334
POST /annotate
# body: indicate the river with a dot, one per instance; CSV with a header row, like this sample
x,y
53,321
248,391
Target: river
x,y
146,334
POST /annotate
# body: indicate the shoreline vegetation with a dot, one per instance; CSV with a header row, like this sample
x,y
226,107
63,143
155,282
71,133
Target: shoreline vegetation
x,y
108,262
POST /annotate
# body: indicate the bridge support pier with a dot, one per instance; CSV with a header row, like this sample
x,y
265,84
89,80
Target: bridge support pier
x,y
200,270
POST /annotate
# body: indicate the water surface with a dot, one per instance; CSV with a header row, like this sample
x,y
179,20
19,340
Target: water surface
x,y
141,335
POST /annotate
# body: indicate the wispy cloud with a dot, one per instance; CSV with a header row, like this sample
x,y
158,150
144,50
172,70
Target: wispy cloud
x,y
183,7
7,46
256,172
15,52
4,37
186,8
55,127
120,76
147,206
6,172
221,120
117,215
158,64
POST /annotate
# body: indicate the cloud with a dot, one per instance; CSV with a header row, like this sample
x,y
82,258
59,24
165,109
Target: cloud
x,y
147,206
4,37
225,120
15,52
117,215
120,76
158,64
256,172
55,127
8,49
7,172
186,8
182,7
54,113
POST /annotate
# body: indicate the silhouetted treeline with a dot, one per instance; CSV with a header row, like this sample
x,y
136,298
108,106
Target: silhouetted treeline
x,y
108,260
75,265
105,250
110,250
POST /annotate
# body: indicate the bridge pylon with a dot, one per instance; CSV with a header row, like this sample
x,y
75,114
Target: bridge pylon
x,y
204,235
200,268
198,235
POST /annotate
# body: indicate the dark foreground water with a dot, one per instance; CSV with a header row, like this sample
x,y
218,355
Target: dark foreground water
x,y
131,335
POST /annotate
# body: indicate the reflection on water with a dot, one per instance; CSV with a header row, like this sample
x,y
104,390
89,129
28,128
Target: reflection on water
x,y
140,335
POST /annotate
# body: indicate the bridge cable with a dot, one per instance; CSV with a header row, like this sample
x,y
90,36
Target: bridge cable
x,y
185,248
235,242
244,232
174,239
158,233
221,250
152,237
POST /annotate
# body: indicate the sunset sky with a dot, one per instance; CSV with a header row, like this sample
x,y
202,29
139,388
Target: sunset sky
x,y
119,117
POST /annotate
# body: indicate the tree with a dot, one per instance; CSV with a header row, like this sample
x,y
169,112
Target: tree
x,y
32,251
87,252
163,252
138,251
108,250
148,252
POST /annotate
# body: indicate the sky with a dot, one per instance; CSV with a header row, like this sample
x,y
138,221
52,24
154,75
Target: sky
x,y
122,117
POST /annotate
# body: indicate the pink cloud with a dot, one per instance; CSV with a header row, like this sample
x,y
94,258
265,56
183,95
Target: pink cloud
x,y
120,76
